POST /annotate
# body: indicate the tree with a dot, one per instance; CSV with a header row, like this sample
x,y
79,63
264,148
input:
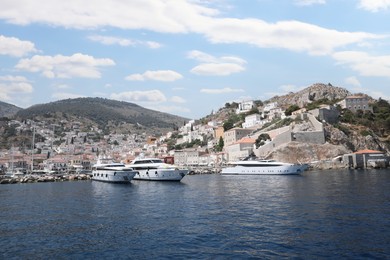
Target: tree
x,y
291,109
220,144
228,125
261,140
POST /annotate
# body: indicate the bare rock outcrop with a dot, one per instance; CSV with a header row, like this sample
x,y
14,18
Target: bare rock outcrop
x,y
314,92
352,138
294,152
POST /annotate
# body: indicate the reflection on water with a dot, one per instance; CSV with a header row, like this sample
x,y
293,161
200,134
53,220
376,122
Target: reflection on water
x,y
315,215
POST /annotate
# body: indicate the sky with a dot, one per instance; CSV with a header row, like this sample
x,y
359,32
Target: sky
x,y
190,57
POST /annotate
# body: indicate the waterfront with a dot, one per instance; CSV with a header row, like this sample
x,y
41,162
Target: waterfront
x,y
321,214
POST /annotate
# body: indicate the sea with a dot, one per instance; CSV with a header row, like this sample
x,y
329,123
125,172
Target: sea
x,y
342,214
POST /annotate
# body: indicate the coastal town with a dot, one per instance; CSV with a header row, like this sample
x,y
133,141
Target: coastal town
x,y
203,146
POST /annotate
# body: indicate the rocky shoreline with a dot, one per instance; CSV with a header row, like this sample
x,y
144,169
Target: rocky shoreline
x,y
34,178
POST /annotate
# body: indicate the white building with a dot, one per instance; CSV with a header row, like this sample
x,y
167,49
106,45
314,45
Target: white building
x,y
186,157
268,107
244,106
240,149
233,135
252,120
355,103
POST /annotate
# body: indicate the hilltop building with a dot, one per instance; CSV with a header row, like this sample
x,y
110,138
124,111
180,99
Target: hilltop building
x,y
355,103
253,120
245,106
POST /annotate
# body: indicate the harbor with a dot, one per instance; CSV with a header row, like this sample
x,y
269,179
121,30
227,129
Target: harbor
x,y
316,215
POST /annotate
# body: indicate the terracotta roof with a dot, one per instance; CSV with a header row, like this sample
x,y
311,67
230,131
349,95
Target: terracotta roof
x,y
356,96
367,151
246,140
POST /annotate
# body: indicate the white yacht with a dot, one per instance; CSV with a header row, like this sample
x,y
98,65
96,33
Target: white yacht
x,y
254,166
112,172
154,169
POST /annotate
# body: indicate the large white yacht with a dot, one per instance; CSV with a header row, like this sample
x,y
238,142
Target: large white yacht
x,y
154,169
112,172
254,166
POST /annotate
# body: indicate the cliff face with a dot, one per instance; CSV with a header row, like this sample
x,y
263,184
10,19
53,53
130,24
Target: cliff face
x,y
314,92
353,140
294,152
337,143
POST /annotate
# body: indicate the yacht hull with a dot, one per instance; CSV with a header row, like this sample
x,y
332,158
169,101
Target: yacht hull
x,y
160,175
266,170
113,176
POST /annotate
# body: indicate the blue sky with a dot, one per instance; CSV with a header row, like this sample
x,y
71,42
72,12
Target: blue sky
x,y
190,57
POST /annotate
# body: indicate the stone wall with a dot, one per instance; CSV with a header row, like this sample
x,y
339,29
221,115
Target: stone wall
x,y
281,139
315,137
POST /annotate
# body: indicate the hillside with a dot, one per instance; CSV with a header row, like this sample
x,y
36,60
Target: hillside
x,y
8,110
312,93
104,113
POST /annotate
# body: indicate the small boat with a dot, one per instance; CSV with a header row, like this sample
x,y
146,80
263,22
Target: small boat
x,y
112,172
15,173
253,166
154,169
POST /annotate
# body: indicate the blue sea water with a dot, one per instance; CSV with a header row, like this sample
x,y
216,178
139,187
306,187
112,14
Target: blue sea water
x,y
327,214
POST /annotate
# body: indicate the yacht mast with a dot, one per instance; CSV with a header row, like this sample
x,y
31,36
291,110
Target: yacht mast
x,y
32,150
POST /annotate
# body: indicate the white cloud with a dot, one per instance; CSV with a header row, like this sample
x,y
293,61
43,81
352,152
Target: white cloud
x,y
158,75
12,87
152,44
291,35
211,65
353,81
184,17
140,96
64,95
220,90
379,94
221,69
364,64
59,66
201,56
374,5
177,99
14,47
155,15
309,2
109,40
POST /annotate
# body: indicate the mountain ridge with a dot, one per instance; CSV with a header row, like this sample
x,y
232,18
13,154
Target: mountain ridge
x,y
102,112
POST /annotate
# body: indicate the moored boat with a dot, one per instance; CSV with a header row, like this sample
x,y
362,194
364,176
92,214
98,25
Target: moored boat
x,y
154,169
254,166
112,172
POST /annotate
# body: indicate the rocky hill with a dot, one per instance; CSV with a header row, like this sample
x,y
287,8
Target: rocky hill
x,y
312,93
8,110
104,113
